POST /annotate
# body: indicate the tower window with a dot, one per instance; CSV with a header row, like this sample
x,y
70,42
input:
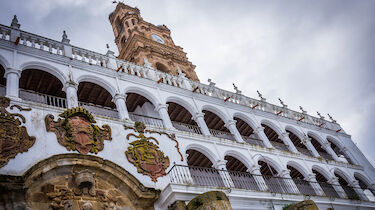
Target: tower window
x,y
161,67
133,22
127,24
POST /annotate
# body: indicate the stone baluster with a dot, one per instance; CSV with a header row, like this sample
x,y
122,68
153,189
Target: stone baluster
x,y
288,142
163,113
334,181
289,182
111,63
358,190
71,94
225,176
260,132
199,119
12,85
311,178
120,101
231,125
307,141
258,177
327,147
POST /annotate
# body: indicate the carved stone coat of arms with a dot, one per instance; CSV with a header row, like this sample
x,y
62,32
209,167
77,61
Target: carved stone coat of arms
x,y
77,131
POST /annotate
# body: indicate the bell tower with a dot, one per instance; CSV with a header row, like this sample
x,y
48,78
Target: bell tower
x,y
146,44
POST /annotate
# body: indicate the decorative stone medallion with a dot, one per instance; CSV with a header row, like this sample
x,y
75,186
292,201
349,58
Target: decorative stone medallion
x,y
14,138
145,155
77,131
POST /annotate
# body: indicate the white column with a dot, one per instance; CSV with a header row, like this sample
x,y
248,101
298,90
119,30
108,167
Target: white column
x,y
222,168
327,147
13,77
334,181
289,181
358,190
71,94
120,101
310,147
163,113
257,175
288,142
231,125
260,132
199,119
311,178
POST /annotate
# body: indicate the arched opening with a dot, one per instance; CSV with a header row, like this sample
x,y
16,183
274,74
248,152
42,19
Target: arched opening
x,y
322,152
2,81
342,155
133,22
350,193
247,132
326,187
123,41
239,175
182,119
217,126
161,67
300,146
370,193
119,26
142,110
127,24
41,87
303,186
273,137
270,175
201,171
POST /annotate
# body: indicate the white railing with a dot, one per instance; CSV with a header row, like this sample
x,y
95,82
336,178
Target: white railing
x,y
155,122
99,110
221,134
186,127
93,58
55,101
253,141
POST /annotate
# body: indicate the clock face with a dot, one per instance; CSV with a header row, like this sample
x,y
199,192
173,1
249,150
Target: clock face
x,y
157,38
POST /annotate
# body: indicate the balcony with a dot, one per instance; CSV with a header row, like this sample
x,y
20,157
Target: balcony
x,y
210,177
147,120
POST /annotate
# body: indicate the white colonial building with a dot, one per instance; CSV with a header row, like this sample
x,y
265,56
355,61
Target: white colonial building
x,y
262,156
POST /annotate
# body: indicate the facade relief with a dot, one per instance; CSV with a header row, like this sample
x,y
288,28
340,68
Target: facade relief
x,y
76,131
14,138
145,155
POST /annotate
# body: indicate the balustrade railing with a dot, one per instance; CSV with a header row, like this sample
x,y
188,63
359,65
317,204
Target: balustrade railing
x,y
253,141
186,127
200,176
221,134
55,101
325,155
280,146
304,151
100,110
155,122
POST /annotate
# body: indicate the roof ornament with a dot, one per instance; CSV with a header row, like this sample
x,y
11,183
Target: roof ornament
x,y
303,111
321,117
65,39
283,104
180,73
331,118
211,84
110,52
236,89
15,23
261,96
147,63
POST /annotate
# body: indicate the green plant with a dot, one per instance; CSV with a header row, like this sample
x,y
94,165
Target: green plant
x,y
286,207
354,197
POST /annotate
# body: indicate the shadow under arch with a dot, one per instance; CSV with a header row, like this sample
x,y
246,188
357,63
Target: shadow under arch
x,y
47,68
183,103
97,81
240,157
144,93
216,111
299,167
78,177
203,150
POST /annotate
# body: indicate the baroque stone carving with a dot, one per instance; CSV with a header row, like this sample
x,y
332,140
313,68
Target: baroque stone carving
x,y
145,155
14,138
77,131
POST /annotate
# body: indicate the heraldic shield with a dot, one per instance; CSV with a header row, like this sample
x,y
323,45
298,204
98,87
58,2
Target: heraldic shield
x,y
145,155
77,131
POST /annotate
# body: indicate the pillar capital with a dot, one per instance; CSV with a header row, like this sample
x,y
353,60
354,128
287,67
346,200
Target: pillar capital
x,y
161,106
333,180
354,183
284,173
306,139
71,84
221,164
230,122
344,149
258,129
255,169
13,71
326,144
198,115
119,96
311,177
283,135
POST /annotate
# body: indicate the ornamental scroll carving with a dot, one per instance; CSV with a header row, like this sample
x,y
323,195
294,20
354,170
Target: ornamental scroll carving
x,y
76,131
145,155
14,138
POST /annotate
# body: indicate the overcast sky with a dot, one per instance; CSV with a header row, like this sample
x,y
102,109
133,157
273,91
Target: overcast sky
x,y
318,54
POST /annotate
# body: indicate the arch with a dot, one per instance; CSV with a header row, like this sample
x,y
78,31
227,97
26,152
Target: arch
x,y
53,171
334,141
143,92
298,167
344,175
45,67
272,125
239,156
316,137
216,111
362,177
204,150
98,81
182,103
246,119
268,160
4,62
322,171
296,132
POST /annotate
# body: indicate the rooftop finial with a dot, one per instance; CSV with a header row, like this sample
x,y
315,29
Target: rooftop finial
x,y
321,117
261,96
211,84
65,38
331,118
283,104
107,45
15,23
236,89
303,111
